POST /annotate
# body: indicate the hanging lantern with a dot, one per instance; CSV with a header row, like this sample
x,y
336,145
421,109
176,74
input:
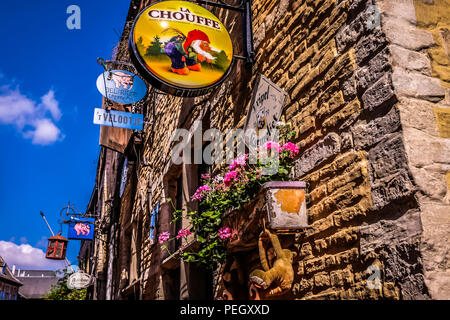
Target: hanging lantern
x,y
57,246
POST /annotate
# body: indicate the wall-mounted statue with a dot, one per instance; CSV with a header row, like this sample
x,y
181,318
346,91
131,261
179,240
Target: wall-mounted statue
x,y
278,279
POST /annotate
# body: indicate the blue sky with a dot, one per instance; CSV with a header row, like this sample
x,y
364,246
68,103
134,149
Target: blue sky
x,y
49,145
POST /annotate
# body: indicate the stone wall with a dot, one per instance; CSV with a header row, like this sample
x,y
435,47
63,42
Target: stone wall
x,y
420,79
364,99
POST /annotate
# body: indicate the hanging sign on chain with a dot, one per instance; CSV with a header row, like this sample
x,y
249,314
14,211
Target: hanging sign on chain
x,y
118,119
79,280
121,86
181,48
81,231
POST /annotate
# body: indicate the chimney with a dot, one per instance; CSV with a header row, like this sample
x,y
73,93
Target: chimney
x,y
13,269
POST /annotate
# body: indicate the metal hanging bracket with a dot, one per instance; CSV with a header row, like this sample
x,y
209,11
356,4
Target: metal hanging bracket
x,y
245,8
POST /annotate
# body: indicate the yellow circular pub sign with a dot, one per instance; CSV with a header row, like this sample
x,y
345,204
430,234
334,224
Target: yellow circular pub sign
x,y
181,48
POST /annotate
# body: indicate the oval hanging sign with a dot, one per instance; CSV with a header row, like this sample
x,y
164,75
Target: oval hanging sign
x,y
181,48
121,86
79,280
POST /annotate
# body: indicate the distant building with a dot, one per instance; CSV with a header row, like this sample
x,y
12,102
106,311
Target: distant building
x,y
36,283
9,285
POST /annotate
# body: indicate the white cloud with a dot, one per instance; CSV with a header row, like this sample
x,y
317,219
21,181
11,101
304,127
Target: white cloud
x,y
45,132
26,257
30,117
49,102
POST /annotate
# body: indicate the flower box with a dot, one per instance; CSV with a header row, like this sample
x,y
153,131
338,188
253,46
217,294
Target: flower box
x,y
279,205
286,205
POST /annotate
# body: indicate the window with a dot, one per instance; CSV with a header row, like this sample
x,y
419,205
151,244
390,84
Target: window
x,y
51,249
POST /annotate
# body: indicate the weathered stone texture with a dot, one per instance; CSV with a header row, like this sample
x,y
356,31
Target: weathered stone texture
x,y
366,134
316,155
379,94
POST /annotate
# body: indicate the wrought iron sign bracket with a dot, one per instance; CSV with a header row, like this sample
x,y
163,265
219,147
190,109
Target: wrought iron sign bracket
x,y
245,8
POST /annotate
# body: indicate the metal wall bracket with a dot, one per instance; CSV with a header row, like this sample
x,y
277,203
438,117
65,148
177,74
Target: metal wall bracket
x,y
245,8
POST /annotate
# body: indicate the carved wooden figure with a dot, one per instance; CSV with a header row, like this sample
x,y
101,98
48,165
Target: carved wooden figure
x,y
281,275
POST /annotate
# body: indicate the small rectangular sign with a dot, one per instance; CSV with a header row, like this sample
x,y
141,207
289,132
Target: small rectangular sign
x,y
118,119
81,231
266,107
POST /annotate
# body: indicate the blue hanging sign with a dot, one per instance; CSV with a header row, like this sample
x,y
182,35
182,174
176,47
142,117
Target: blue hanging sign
x,y
81,231
118,119
153,219
121,86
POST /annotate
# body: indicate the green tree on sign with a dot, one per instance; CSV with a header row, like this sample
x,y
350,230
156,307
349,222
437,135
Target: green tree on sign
x,y
222,61
140,44
155,47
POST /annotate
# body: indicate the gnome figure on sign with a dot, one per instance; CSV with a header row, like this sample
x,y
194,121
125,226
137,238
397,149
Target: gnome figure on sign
x,y
198,48
187,57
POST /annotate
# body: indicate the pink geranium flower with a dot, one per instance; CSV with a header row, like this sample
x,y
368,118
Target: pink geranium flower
x,y
205,176
198,195
230,177
269,145
183,233
292,148
239,162
163,237
224,233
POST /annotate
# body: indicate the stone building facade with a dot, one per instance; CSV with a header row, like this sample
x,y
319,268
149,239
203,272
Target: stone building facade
x,y
9,284
368,94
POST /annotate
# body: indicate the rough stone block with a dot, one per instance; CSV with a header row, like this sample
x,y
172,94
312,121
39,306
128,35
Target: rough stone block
x,y
349,112
342,68
314,265
410,60
347,257
405,34
387,157
377,235
323,150
343,217
319,226
321,280
348,88
424,150
413,84
366,134
403,9
369,45
392,188
306,250
375,69
353,31
379,94
402,265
